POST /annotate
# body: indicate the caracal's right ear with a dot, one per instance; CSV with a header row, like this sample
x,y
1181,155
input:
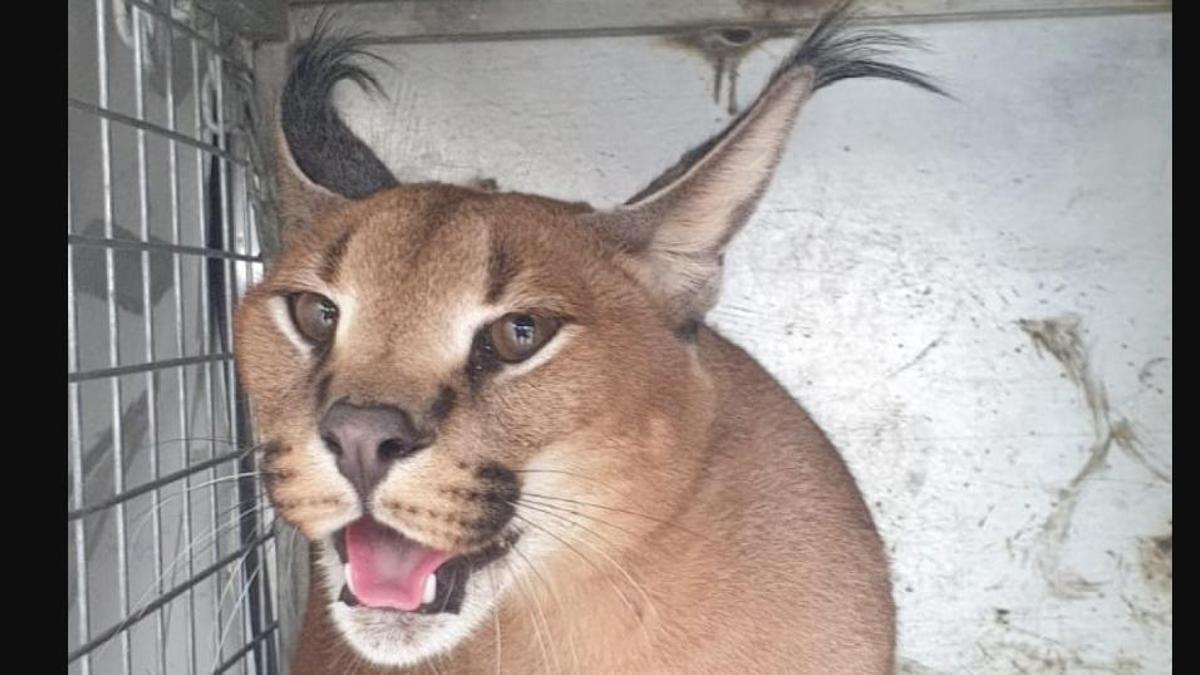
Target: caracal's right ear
x,y
320,162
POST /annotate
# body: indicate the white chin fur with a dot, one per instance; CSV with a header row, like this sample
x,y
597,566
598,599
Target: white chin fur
x,y
392,638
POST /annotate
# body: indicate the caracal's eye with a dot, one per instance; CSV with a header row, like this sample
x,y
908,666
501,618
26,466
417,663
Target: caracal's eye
x,y
516,337
314,315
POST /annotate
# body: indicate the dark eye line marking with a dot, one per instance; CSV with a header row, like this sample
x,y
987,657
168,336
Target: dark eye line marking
x,y
321,352
444,404
321,390
482,360
502,269
331,258
688,331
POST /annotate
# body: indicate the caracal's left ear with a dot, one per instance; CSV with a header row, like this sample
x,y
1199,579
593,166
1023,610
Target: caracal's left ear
x,y
675,231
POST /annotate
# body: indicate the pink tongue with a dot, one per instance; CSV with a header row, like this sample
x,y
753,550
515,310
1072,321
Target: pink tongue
x,y
386,569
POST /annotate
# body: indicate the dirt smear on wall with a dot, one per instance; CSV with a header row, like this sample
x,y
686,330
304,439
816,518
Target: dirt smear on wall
x,y
1060,337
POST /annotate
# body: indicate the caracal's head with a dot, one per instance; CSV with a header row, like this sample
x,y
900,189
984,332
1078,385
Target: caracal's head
x,y
457,390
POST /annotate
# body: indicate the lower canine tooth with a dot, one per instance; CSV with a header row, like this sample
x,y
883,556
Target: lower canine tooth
x,y
430,589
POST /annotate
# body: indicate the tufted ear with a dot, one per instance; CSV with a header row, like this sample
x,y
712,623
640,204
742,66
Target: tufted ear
x,y
676,229
320,162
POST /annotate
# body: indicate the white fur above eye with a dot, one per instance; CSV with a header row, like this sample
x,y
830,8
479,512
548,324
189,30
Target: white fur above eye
x,y
466,321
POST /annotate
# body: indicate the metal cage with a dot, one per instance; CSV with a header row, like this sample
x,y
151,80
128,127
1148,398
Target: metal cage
x,y
171,552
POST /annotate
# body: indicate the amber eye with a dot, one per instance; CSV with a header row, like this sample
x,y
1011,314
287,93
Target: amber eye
x,y
315,316
516,337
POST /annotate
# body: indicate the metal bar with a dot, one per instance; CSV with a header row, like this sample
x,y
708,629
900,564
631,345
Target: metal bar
x,y
235,615
205,317
100,373
266,599
255,607
233,660
131,619
127,244
225,322
273,599
157,483
238,612
224,319
113,327
177,286
266,606
265,611
269,69
104,113
216,66
256,604
148,328
73,403
269,588
258,596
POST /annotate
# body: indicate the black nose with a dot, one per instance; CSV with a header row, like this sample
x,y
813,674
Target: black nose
x,y
367,440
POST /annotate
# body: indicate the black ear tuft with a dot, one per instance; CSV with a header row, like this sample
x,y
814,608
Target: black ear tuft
x,y
674,231
322,147
836,52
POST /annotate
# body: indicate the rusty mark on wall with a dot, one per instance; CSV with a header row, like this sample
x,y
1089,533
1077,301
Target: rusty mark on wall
x,y
1060,337
1146,374
917,359
784,11
724,49
1157,556
770,5
1050,657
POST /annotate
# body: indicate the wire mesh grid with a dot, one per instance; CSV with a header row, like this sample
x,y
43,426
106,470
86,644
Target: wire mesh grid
x,y
171,545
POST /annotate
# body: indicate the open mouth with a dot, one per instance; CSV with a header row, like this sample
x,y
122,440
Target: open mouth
x,y
386,570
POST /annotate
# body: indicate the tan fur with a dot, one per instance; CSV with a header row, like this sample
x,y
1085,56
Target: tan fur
x,y
675,510
304,200
722,530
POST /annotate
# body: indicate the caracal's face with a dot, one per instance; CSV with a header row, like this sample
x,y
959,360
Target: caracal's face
x,y
457,391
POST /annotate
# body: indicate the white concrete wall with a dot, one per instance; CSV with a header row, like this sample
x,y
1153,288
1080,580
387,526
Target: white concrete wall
x,y
894,281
